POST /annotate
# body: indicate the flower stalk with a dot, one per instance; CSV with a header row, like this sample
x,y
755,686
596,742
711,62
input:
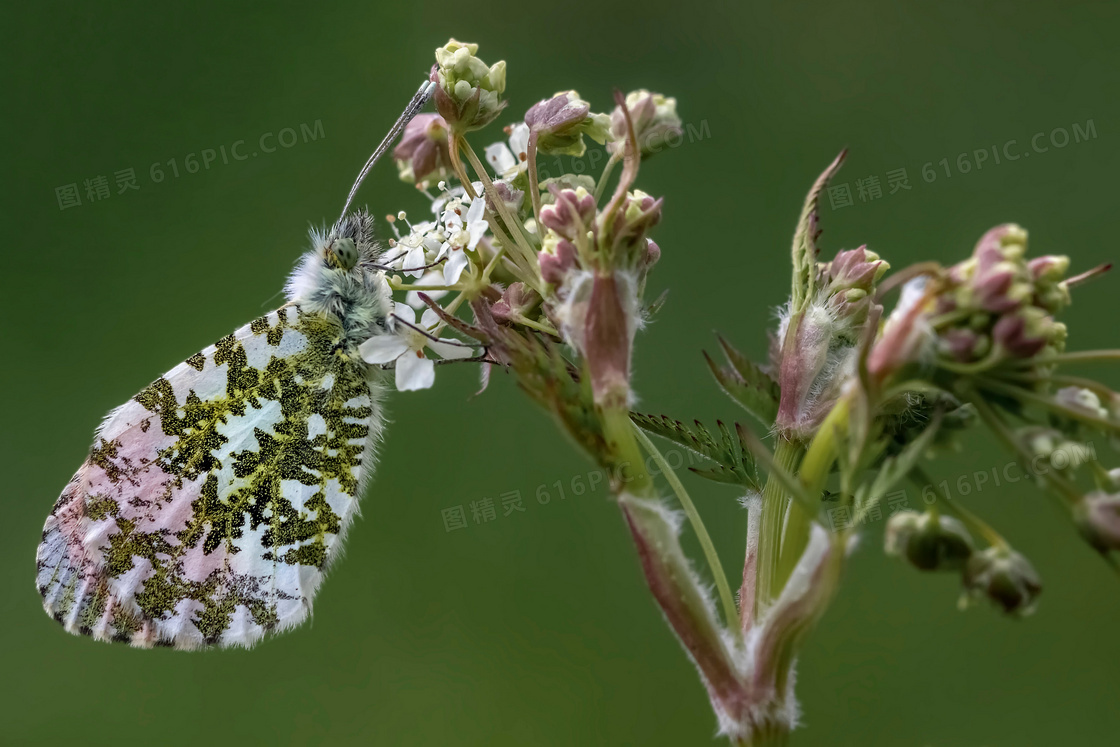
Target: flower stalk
x,y
549,283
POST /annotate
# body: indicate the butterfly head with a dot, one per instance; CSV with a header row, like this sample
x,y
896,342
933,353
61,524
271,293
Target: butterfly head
x,y
341,278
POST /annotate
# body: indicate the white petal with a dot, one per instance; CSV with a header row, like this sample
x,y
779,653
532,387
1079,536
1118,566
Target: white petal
x,y
454,267
412,298
474,214
519,140
382,349
405,312
499,158
414,259
450,348
414,372
429,319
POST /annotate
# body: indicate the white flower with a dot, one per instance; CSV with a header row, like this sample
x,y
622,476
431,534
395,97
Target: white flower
x,y
509,161
433,276
405,344
464,234
418,249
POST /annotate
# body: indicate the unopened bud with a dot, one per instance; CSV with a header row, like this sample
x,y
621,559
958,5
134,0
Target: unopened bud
x,y
655,121
1003,576
1098,520
559,124
929,542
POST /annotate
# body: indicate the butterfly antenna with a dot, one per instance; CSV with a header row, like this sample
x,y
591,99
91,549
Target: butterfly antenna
x,y
410,111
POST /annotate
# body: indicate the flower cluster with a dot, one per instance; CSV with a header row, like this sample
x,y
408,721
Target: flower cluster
x,y
553,275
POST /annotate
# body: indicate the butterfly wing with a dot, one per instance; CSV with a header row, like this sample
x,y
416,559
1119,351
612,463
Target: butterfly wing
x,y
213,501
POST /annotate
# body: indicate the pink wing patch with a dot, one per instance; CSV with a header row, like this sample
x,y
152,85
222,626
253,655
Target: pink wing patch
x,y
211,502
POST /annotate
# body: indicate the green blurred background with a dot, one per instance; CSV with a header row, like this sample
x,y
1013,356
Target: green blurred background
x,y
536,628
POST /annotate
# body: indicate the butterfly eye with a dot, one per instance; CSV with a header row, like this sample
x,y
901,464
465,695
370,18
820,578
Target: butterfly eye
x,y
346,253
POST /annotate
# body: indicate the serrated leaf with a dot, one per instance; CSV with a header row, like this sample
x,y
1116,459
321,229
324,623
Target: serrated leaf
x,y
733,463
805,238
746,383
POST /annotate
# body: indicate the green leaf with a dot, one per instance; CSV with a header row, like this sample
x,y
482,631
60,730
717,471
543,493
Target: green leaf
x,y
805,239
732,463
746,383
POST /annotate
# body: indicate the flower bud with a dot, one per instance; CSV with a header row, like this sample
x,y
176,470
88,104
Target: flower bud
x,y
1098,520
509,195
1005,577
655,122
1081,399
1025,333
850,282
639,213
1051,445
559,124
422,156
469,92
929,542
963,345
571,214
1051,292
516,301
558,257
906,334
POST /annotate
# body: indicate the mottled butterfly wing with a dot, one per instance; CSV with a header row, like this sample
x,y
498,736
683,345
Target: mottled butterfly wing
x,y
212,502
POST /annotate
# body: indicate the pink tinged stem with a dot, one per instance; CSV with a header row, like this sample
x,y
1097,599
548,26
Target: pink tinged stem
x,y
677,592
802,602
753,504
607,341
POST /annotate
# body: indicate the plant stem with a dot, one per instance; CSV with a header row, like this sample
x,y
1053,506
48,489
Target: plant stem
x,y
600,185
517,231
775,499
1027,395
1081,356
534,183
816,465
730,613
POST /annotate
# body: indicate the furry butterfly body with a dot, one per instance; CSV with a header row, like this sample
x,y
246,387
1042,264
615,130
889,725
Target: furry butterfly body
x,y
213,501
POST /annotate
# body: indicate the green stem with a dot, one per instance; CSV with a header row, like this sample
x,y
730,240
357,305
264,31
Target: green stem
x,y
730,613
600,186
1027,395
775,499
534,183
1096,387
1081,356
1060,485
517,231
525,321
969,519
819,458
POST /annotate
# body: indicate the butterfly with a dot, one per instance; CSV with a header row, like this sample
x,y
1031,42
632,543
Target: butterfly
x,y
213,502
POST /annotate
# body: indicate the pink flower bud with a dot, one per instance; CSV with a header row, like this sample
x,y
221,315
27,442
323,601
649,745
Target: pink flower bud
x,y
555,266
515,302
1012,334
422,153
572,213
653,253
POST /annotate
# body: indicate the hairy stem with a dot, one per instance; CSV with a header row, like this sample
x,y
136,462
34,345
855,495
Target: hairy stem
x,y
730,613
